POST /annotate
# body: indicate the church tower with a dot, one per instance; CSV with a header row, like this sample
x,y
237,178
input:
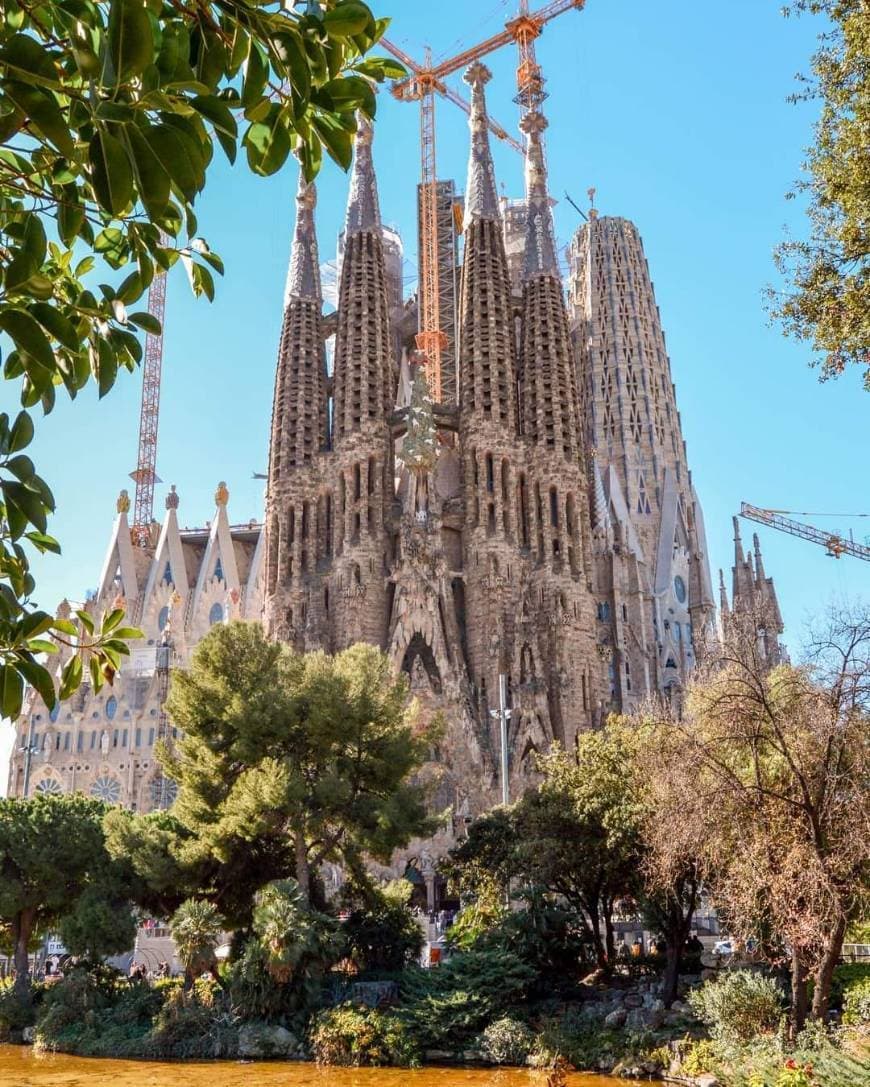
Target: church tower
x,y
653,585
754,608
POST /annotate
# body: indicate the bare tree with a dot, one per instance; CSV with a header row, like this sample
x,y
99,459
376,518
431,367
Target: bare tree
x,y
764,781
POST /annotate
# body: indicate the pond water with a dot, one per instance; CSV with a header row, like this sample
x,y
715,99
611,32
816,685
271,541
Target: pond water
x,y
21,1067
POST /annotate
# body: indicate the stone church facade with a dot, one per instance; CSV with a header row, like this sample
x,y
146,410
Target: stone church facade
x,y
539,523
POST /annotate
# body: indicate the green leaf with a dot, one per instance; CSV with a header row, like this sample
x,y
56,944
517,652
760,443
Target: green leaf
x,y
41,645
268,144
22,53
26,501
346,19
146,322
108,367
65,626
28,336
29,258
39,678
70,214
54,322
44,114
336,139
42,542
71,677
86,619
216,111
21,434
112,619
110,172
290,50
131,43
21,467
154,181
256,72
11,691
173,155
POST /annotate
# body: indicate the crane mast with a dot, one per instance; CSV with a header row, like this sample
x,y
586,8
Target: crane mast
x,y
422,85
145,476
835,545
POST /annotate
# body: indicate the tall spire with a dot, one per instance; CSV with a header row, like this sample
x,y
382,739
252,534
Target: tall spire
x,y
363,361
759,565
303,275
481,195
738,543
299,408
487,350
540,252
723,595
363,209
549,403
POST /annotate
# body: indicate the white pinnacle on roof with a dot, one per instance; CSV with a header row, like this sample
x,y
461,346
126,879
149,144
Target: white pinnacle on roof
x,y
303,276
481,196
540,256
363,210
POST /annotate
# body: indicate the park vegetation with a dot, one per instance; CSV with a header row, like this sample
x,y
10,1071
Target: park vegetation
x,y
753,797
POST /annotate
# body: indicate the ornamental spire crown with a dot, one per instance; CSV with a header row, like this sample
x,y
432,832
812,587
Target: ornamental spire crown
x,y
363,210
540,253
303,276
481,195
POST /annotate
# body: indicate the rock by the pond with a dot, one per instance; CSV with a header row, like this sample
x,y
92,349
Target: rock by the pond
x,y
260,1040
28,1035
616,1018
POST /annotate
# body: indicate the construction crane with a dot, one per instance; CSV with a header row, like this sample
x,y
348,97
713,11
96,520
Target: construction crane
x,y
424,82
835,546
145,476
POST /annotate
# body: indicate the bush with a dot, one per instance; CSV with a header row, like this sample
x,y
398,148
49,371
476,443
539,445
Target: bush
x,y
581,1043
381,933
194,1024
699,1058
856,1003
16,1011
738,1007
507,1041
349,1035
446,1005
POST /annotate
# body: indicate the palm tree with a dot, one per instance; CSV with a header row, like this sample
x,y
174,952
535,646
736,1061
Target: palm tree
x,y
196,927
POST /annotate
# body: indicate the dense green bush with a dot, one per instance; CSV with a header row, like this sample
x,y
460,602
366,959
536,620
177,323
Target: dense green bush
x,y
445,1006
582,1044
507,1041
197,1023
738,1006
16,1011
349,1035
381,934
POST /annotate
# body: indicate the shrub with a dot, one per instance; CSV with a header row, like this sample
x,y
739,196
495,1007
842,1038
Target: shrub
x,y
193,1024
445,1006
381,933
699,1058
16,1011
507,1041
349,1035
856,1002
738,1007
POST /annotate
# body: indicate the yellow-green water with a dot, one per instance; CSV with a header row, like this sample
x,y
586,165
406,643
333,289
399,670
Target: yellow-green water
x,y
21,1067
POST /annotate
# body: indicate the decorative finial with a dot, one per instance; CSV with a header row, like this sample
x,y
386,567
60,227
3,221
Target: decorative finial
x,y
303,275
123,503
172,499
481,193
221,495
590,192
540,253
363,210
64,609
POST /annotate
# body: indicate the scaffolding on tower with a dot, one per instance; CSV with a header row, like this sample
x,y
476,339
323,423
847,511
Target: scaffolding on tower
x,y
425,81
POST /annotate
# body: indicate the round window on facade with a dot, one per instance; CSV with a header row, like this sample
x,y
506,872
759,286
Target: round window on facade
x,y
216,615
106,789
680,589
163,792
49,787
111,707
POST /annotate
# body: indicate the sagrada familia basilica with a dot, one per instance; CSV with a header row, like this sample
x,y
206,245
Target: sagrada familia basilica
x,y
539,522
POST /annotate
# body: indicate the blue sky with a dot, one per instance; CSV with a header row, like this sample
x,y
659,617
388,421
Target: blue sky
x,y
676,112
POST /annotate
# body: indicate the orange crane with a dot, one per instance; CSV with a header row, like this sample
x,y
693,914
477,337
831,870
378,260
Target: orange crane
x,y
424,82
835,545
145,475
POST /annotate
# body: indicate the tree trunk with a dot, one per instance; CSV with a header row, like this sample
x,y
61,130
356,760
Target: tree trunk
x,y
671,980
609,941
598,944
799,996
22,930
303,872
825,972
